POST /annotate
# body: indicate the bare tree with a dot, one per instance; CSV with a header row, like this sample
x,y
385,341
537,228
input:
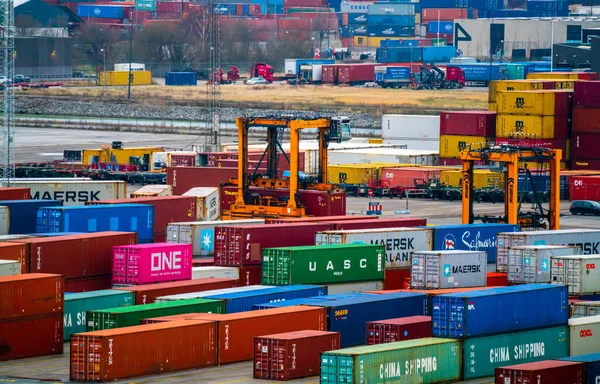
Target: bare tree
x,y
91,39
27,25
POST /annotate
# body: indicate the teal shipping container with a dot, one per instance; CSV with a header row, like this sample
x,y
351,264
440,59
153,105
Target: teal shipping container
x,y
515,71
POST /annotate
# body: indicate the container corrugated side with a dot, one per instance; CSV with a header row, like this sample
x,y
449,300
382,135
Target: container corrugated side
x,y
400,329
31,336
204,294
579,273
592,366
586,308
543,372
448,269
354,287
216,272
584,335
23,214
15,252
31,294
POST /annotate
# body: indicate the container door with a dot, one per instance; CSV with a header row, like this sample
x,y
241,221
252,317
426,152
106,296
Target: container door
x,y
4,220
515,265
184,235
530,266
417,273
573,275
433,271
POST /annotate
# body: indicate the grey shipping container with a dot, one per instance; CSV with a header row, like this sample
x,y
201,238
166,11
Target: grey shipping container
x,y
355,287
587,239
586,308
579,273
531,263
448,269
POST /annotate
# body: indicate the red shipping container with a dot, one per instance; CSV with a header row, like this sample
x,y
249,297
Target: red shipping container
x,y
435,14
585,164
400,329
469,123
16,252
183,160
250,275
140,16
542,372
142,350
203,262
145,294
497,279
31,336
584,188
172,6
589,76
323,219
32,294
323,203
445,161
356,73
88,284
392,222
585,146
344,19
449,37
405,177
561,144
586,120
394,278
292,355
9,193
330,74
239,9
587,94
185,178
243,245
254,9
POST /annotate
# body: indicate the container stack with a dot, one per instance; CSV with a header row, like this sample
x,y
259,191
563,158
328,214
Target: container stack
x,y
464,130
586,125
448,269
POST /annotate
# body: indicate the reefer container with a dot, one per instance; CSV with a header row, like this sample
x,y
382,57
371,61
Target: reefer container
x,y
543,372
539,127
215,271
427,360
587,239
539,102
181,78
291,355
323,264
152,190
31,294
119,217
400,329
452,145
14,193
151,263
475,313
579,273
470,237
531,263
448,269
586,120
584,335
587,94
592,366
398,242
201,234
74,192
484,354
354,287
146,294
23,214
77,305
468,123
143,350
127,316
585,308
208,206
10,267
31,336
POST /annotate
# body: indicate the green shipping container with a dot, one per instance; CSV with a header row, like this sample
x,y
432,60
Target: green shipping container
x,y
428,360
129,316
77,304
323,264
146,5
483,354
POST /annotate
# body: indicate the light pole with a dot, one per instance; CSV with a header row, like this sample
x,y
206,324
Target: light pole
x,y
131,24
104,64
313,53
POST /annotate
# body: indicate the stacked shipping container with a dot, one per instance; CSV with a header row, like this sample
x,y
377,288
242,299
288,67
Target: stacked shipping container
x,y
586,125
465,130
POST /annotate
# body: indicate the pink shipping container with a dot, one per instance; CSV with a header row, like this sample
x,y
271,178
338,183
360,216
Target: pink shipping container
x,y
152,263
586,120
402,177
587,94
469,123
393,330
585,146
356,73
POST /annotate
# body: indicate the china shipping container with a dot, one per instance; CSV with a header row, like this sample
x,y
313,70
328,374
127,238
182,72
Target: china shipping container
x,y
583,335
14,193
31,336
354,287
88,284
484,354
15,252
439,360
543,127
539,103
398,242
585,308
128,316
185,178
32,294
146,294
584,188
207,203
97,218
468,123
578,273
448,269
10,267
531,263
583,146
74,191
215,271
400,329
23,214
292,355
592,366
117,352
586,120
470,314
77,305
587,94
542,372
587,239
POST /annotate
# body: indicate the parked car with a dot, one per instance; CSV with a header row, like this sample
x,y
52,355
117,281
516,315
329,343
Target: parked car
x,y
585,207
257,81
4,80
21,79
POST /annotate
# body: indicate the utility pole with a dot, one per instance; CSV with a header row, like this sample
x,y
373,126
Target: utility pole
x,y
131,26
213,86
7,71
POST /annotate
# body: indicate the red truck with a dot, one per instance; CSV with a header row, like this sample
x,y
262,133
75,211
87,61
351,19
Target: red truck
x,y
263,70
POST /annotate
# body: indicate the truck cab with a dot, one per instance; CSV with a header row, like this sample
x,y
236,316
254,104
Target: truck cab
x,y
263,70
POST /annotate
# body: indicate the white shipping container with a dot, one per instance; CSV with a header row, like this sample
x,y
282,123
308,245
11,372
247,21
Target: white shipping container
x,y
290,67
586,308
418,132
10,268
4,221
153,190
224,291
531,263
208,203
355,287
579,273
584,333
124,67
201,234
316,69
214,271
385,155
74,191
448,269
399,242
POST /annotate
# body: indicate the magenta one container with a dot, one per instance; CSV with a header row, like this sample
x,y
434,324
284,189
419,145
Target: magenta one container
x,y
151,263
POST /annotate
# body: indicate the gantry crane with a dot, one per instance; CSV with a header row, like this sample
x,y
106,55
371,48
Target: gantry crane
x,y
511,156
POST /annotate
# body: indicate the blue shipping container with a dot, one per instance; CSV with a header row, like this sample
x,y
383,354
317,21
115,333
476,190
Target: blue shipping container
x,y
100,11
389,31
308,301
443,27
390,43
53,234
23,214
480,72
301,62
499,310
393,75
392,9
438,54
399,55
181,78
542,184
226,9
391,20
592,366
97,218
488,5
470,237
444,4
357,18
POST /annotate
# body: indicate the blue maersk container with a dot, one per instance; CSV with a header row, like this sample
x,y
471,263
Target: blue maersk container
x,y
438,54
23,214
500,310
181,78
244,301
470,237
592,366
444,27
480,72
97,218
100,11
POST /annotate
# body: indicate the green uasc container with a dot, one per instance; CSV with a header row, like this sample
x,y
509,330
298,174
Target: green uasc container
x,y
428,360
128,316
323,264
483,354
78,304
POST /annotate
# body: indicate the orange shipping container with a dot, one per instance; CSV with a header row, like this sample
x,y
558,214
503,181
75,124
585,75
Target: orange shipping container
x,y
32,294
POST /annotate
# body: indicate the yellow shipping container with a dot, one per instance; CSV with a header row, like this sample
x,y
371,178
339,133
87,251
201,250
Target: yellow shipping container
x,y
120,78
525,85
538,102
482,178
536,166
117,156
492,107
360,173
452,145
553,76
531,127
417,19
371,42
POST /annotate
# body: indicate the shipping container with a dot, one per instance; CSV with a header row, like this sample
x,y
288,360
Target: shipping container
x,y
207,203
389,31
15,252
204,294
102,11
468,123
553,76
531,263
10,267
14,193
585,308
334,289
292,355
484,354
181,78
482,178
543,372
406,177
585,164
31,294
24,337
185,178
433,14
396,278
577,272
137,218
146,294
448,269
324,219
535,127
441,27
117,352
88,284
474,313
562,144
216,272
592,366
538,103
582,331
526,85
427,360
152,191
452,145
497,279
250,275
114,78
73,191
128,316
583,146
400,329
23,214
354,74
77,305
586,120
480,72
361,7
587,94
395,222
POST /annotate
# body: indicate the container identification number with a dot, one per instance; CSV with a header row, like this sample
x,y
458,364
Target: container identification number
x,y
341,312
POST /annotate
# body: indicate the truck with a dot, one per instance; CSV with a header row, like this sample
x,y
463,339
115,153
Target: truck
x,y
437,78
263,70
293,66
392,77
480,74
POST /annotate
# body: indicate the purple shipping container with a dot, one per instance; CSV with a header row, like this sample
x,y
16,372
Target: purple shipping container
x,y
587,94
